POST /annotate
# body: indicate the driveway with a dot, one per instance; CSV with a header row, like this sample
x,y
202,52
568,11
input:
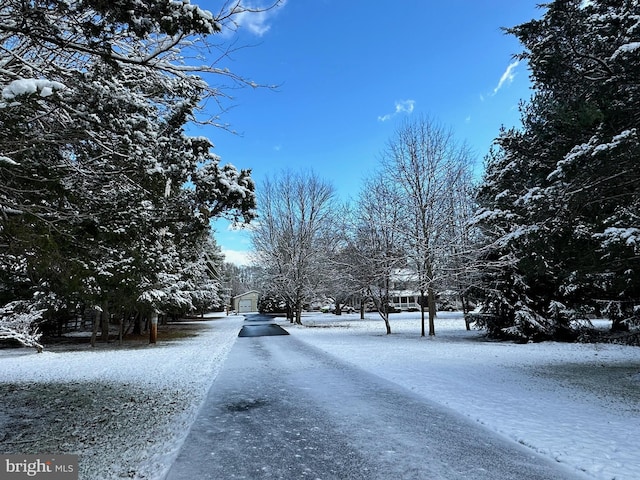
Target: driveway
x,y
281,409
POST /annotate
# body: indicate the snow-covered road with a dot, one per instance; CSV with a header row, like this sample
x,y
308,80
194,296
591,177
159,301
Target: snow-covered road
x,y
281,408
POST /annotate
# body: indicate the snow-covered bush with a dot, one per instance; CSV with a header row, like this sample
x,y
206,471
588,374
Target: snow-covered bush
x,y
18,322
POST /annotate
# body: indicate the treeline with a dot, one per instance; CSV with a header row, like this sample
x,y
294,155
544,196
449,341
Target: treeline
x,y
412,215
550,237
105,200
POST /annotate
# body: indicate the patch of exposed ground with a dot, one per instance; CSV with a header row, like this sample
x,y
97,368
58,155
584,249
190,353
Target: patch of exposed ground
x,y
97,421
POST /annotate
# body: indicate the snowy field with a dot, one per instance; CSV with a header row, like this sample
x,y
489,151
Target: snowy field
x,y
127,411
576,403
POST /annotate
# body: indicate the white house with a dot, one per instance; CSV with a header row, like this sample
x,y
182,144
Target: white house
x,y
403,292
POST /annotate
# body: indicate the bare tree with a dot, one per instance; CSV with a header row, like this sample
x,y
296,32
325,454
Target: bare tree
x,y
461,267
294,234
378,246
426,166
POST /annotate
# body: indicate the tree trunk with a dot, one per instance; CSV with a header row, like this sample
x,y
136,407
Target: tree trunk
x,y
153,328
431,299
137,324
94,329
385,307
104,322
422,331
465,311
121,328
385,317
299,313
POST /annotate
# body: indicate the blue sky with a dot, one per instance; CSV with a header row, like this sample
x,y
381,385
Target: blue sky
x,y
350,71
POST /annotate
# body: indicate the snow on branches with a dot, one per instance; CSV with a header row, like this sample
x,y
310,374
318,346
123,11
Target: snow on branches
x,y
28,86
18,322
104,195
560,196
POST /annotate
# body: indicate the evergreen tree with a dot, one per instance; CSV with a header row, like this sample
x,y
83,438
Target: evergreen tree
x,y
559,200
104,196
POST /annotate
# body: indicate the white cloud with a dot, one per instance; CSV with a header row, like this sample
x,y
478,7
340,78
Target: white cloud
x,y
238,257
507,77
253,17
402,106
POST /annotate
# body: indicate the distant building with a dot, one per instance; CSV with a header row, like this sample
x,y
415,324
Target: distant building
x,y
246,302
403,291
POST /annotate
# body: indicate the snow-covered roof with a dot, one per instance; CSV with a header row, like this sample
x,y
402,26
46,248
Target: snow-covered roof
x,y
247,293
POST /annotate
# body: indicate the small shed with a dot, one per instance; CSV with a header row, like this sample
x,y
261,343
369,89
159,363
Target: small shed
x,y
246,302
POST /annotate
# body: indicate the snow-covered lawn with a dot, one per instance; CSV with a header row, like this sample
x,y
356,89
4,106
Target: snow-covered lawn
x,y
127,411
124,411
576,403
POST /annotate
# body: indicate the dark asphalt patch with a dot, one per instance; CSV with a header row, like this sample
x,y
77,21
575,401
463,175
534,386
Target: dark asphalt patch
x,y
262,330
247,405
259,317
